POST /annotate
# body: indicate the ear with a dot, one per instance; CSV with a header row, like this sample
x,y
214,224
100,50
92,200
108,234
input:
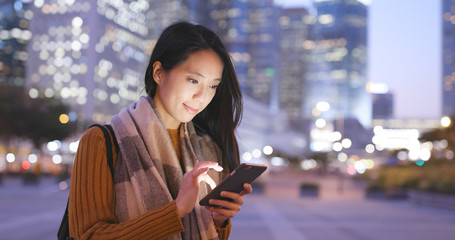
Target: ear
x,y
158,72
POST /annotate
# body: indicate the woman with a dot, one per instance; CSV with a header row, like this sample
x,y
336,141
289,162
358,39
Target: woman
x,y
172,142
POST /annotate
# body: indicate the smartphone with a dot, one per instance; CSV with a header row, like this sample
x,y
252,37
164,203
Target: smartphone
x,y
244,173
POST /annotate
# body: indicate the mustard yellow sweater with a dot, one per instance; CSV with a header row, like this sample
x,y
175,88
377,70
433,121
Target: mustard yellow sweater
x,y
92,199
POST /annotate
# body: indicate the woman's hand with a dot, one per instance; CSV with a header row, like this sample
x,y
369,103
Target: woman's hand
x,y
189,189
225,210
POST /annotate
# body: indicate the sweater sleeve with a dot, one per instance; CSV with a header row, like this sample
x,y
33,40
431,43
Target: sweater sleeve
x,y
224,232
92,200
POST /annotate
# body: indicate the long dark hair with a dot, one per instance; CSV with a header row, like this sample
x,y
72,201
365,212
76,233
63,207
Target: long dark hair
x,y
223,114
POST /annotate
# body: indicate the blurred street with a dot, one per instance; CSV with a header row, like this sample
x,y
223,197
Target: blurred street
x,y
278,212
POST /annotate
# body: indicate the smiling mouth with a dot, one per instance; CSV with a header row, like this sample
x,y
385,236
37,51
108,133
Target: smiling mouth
x,y
190,109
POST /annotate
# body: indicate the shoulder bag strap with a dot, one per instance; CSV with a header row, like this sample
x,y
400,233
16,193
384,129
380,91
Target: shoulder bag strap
x,y
63,230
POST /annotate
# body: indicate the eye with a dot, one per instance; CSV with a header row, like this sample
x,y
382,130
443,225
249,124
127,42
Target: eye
x,y
213,86
193,81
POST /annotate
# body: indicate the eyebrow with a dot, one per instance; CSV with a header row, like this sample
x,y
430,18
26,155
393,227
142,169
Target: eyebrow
x,y
202,75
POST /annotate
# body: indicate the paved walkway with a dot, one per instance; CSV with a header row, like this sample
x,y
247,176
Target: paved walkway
x,y
276,218
34,212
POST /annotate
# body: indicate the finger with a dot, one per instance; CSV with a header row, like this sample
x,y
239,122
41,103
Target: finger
x,y
197,172
209,164
247,188
228,213
236,198
209,181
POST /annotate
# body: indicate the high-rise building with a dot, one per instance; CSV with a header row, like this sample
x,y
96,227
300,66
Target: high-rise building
x,y
294,32
337,74
14,36
383,100
250,31
382,105
448,57
93,54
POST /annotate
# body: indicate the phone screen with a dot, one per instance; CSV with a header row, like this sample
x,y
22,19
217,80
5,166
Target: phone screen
x,y
244,173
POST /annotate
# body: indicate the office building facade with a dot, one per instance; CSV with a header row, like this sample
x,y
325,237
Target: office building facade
x,y
338,62
93,54
448,57
14,36
294,32
250,31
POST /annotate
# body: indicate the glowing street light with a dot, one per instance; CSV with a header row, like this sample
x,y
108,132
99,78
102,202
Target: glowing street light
x,y
323,106
445,121
267,150
346,143
64,118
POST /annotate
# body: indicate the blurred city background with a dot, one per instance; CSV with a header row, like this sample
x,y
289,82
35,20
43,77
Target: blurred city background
x,y
319,108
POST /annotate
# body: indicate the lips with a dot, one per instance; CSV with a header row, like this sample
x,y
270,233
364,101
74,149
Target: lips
x,y
190,109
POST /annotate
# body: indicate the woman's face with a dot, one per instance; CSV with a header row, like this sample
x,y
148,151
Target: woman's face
x,y
188,88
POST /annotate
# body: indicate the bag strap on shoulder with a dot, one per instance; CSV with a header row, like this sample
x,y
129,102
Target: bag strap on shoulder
x,y
108,131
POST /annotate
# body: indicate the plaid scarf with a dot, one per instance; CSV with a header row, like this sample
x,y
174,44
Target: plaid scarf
x,y
148,173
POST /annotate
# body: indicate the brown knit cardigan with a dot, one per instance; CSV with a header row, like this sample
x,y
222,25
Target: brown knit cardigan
x,y
92,200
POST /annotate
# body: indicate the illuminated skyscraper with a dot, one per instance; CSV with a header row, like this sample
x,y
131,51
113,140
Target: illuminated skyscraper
x,y
382,105
93,54
448,57
250,31
337,73
14,36
294,32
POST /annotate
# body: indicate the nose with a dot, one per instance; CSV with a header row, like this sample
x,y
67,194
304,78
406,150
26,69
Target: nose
x,y
200,94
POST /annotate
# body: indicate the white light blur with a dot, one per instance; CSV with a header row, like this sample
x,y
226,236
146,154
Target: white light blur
x,y
52,146
267,150
57,159
308,164
39,3
342,157
32,158
346,143
378,130
445,121
256,153
402,155
247,156
318,146
337,146
33,93
379,147
369,148
427,145
375,140
377,88
74,146
320,123
336,136
425,154
414,155
449,154
360,167
397,139
77,22
10,157
277,161
323,106
443,144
